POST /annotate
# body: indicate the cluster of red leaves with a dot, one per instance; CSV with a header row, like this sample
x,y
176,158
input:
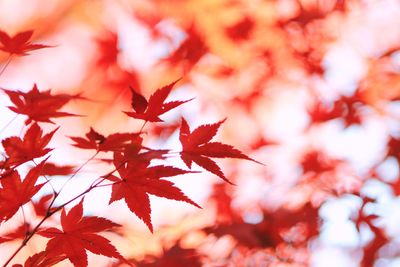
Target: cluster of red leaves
x,y
305,26
136,178
282,235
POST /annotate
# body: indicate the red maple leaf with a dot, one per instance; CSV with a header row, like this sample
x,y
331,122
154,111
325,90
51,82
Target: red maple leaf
x,y
41,206
316,162
97,141
42,259
51,169
78,234
39,106
18,44
151,110
196,147
190,51
33,145
14,193
18,233
320,113
108,50
137,181
241,30
175,256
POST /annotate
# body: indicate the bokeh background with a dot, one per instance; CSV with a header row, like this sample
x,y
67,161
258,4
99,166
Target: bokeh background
x,y
309,87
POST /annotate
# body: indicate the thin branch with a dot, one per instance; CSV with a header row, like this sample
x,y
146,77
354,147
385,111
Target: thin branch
x,y
8,124
6,64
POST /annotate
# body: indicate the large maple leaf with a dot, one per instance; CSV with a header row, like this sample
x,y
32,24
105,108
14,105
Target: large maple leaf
x,y
18,44
151,110
78,234
33,145
39,106
14,193
196,147
137,181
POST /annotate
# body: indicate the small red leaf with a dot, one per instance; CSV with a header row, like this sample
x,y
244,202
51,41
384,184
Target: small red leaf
x,y
79,234
33,145
156,105
39,106
196,147
18,44
14,193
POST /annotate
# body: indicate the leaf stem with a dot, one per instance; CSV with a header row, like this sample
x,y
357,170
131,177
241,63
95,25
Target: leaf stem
x,y
76,172
6,64
47,179
8,124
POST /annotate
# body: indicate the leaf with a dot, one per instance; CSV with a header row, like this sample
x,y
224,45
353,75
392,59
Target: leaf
x,y
33,145
190,51
78,234
151,110
108,50
139,102
42,259
196,147
14,193
175,256
320,113
39,106
138,181
241,30
18,44
18,233
113,142
316,162
41,206
51,169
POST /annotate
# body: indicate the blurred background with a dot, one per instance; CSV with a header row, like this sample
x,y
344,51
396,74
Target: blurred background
x,y
309,87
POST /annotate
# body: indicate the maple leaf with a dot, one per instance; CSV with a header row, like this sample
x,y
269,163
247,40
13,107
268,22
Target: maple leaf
x,y
196,147
241,30
152,109
320,113
51,169
108,50
175,256
97,141
315,162
18,44
33,145
42,259
190,51
41,206
18,233
137,181
14,193
78,234
39,106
